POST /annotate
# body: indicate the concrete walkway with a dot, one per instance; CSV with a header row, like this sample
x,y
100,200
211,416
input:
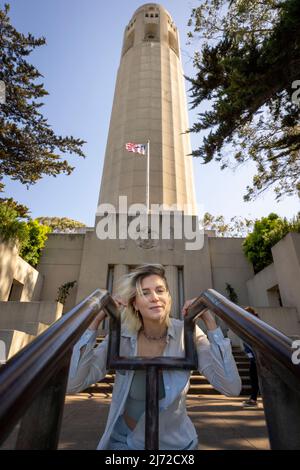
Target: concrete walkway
x,y
221,422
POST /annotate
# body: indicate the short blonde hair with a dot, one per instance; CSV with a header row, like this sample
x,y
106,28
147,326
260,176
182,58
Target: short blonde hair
x,y
130,285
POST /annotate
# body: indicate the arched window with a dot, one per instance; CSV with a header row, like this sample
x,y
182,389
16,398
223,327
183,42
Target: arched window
x,y
151,32
173,43
129,42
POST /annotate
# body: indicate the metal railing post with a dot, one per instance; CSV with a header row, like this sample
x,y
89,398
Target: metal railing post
x,y
40,426
281,406
152,409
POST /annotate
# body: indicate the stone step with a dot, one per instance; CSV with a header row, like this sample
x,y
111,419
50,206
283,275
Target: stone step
x,y
207,389
242,360
198,389
200,379
199,385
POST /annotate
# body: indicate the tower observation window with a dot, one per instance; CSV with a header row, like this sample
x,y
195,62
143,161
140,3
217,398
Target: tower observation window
x,y
173,43
151,32
129,42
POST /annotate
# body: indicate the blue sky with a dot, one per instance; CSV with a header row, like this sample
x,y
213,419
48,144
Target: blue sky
x,y
79,65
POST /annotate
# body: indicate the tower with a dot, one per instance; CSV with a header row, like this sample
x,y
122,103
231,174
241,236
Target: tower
x,y
149,104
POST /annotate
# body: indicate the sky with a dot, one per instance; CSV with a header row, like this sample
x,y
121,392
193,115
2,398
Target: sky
x,y
79,64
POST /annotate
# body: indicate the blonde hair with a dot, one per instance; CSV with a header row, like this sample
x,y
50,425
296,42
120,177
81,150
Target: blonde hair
x,y
130,285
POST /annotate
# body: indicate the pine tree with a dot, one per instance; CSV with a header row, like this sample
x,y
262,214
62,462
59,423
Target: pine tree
x,y
247,68
29,148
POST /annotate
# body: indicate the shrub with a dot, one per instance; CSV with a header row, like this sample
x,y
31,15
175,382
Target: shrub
x,y
31,250
266,233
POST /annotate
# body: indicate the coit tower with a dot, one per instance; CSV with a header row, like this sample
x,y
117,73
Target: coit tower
x,y
150,105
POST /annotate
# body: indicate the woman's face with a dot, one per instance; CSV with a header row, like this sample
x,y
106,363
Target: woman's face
x,y
155,302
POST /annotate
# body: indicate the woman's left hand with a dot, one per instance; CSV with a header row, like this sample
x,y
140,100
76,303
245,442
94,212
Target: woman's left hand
x,y
206,315
186,305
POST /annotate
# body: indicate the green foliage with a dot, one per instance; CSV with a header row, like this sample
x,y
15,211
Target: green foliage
x,y
232,295
64,291
11,227
30,236
248,59
236,227
29,148
60,224
22,211
31,249
267,232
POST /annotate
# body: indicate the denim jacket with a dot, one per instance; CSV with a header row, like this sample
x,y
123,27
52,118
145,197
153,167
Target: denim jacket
x,y
176,431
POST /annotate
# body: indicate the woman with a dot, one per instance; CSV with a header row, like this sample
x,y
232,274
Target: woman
x,y
148,330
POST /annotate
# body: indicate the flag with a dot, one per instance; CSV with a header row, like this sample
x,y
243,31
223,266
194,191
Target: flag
x,y
136,148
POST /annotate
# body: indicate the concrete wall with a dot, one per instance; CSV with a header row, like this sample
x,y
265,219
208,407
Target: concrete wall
x,y
31,279
229,265
60,263
21,315
284,319
98,255
14,269
14,341
9,254
258,286
286,255
283,274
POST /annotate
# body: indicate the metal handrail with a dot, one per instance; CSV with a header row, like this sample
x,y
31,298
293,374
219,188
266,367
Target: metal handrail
x,y
35,379
254,331
279,377
33,382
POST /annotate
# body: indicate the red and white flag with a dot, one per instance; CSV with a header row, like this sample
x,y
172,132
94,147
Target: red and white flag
x,y
136,148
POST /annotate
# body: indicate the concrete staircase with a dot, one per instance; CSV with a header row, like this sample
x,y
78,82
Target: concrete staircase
x,y
199,384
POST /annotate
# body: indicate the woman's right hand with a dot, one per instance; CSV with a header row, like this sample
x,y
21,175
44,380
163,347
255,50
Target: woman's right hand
x,y
102,314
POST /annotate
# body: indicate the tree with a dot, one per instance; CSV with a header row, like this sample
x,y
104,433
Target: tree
x,y
11,227
60,224
246,68
29,148
30,236
267,232
236,227
31,249
22,211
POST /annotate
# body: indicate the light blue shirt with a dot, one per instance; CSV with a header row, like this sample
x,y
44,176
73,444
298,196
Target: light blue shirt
x,y
176,431
136,401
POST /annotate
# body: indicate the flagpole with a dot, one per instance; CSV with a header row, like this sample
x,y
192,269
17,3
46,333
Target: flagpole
x,y
148,177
